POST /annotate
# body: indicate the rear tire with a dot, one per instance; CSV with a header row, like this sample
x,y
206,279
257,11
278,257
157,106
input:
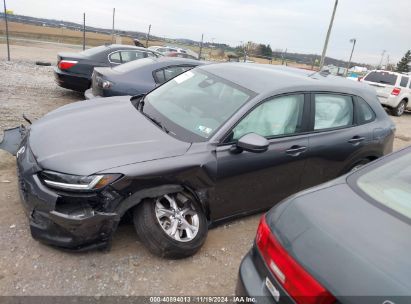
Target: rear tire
x,y
399,110
171,226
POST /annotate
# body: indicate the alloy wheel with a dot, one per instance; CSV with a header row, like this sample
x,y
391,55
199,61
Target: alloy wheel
x,y
178,218
401,108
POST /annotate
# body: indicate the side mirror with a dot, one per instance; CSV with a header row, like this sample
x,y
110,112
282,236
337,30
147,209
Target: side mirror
x,y
253,142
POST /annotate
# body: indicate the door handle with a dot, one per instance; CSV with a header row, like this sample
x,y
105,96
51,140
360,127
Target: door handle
x,y
296,150
356,140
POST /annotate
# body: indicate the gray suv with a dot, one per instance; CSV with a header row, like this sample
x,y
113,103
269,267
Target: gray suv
x,y
216,142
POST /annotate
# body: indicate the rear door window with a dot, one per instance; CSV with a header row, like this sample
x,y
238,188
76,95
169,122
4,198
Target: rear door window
x,y
364,112
168,73
404,81
115,57
159,76
127,56
275,117
172,72
381,77
333,111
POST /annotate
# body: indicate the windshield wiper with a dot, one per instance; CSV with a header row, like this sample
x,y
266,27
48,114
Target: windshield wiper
x,y
156,122
139,106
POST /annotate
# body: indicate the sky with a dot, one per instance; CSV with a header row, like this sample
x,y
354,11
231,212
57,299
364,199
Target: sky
x,y
296,25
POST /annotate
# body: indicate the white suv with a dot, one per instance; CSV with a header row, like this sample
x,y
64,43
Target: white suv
x,y
393,90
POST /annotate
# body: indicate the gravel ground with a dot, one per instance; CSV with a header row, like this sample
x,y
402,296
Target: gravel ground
x,y
30,268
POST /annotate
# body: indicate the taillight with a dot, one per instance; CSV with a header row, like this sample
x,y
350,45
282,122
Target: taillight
x,y
66,64
298,283
396,91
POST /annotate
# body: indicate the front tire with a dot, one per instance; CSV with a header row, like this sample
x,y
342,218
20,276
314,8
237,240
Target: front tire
x,y
359,165
399,110
171,226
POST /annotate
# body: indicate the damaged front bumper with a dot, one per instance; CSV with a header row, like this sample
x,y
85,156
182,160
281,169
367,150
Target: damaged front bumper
x,y
71,232
67,220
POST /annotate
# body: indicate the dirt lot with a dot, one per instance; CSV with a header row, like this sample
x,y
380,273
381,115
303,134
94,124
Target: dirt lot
x,y
30,268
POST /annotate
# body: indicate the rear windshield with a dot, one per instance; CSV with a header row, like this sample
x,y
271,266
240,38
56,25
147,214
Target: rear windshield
x,y
381,77
132,65
94,50
390,184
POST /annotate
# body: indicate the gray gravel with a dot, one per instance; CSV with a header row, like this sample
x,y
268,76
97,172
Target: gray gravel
x,y
23,85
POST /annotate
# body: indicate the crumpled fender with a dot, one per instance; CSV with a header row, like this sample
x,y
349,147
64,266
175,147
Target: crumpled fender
x,y
12,139
138,196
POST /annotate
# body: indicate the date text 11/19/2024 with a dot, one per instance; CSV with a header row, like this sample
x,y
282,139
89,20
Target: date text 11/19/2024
x,y
202,299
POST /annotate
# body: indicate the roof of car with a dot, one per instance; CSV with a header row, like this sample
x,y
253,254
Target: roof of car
x,y
179,60
149,64
125,46
265,79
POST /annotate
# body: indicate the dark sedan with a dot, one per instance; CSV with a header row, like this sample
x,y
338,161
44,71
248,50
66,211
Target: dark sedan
x,y
216,142
137,77
74,70
346,241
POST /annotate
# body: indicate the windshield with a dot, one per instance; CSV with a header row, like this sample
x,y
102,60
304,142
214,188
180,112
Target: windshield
x,y
390,184
195,104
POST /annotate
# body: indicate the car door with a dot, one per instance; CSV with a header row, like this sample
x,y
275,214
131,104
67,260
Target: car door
x,y
249,181
336,140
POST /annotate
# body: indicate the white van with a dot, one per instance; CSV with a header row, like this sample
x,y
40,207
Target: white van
x,y
393,90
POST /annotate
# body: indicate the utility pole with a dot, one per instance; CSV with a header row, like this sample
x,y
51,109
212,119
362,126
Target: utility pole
x,y
382,58
112,32
201,47
148,35
84,31
387,66
353,41
283,57
7,31
328,36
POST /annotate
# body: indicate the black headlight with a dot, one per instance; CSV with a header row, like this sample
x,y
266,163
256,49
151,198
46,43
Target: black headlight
x,y
77,182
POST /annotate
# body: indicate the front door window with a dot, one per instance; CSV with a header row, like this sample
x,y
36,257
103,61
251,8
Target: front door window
x,y
275,117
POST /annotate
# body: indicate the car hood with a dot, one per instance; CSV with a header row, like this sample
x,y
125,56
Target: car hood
x,y
91,136
351,246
